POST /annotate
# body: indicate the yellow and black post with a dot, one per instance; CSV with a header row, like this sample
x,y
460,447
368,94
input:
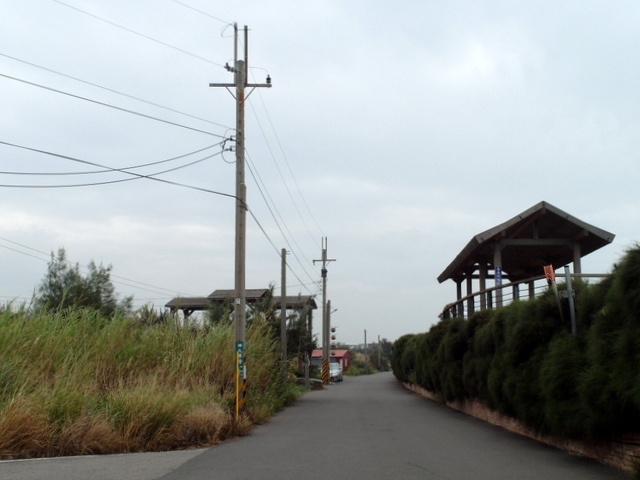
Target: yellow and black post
x,y
325,371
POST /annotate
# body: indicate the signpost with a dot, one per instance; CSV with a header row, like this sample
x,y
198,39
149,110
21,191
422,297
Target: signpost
x,y
241,377
550,275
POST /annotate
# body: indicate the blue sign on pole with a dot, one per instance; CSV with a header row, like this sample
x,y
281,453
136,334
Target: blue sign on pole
x,y
240,356
498,276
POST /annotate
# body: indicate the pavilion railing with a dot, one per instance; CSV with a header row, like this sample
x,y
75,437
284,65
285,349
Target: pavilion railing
x,y
502,295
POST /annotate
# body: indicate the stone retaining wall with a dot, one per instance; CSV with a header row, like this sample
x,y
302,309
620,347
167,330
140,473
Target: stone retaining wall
x,y
622,452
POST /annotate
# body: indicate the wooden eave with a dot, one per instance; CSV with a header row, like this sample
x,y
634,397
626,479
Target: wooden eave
x,y
539,236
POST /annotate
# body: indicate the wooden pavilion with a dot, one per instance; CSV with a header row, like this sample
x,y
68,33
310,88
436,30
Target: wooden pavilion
x,y
518,249
188,305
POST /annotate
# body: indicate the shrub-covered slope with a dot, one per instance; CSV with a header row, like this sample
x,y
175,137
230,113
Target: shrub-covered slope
x,y
523,361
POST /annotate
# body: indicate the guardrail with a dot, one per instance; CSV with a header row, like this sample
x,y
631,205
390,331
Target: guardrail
x,y
502,295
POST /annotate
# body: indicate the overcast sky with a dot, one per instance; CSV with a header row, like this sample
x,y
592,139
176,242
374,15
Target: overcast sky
x,y
398,130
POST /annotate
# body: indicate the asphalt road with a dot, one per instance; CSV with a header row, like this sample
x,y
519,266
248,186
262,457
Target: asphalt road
x,y
365,427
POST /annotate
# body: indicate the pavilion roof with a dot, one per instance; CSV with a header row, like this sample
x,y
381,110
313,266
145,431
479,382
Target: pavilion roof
x,y
252,296
541,235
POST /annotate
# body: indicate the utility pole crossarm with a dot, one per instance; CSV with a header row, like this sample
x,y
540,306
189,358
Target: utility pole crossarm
x,y
250,85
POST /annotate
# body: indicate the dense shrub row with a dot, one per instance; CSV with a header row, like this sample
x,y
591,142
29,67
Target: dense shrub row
x,y
523,361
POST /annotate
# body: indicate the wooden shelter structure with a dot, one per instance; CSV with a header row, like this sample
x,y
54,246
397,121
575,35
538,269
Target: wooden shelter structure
x,y
188,305
518,249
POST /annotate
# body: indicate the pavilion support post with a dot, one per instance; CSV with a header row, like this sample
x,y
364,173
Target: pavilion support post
x,y
577,268
459,309
470,306
516,292
483,286
532,289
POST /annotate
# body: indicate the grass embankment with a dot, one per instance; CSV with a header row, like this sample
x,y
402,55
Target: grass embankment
x,y
76,383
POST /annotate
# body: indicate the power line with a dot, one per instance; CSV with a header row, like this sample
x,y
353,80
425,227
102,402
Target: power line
x,y
274,246
283,180
138,175
284,156
144,115
151,178
251,170
68,262
280,171
113,91
139,34
200,11
110,170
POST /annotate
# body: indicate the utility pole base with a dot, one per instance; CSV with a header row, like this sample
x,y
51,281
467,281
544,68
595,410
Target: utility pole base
x,y
325,371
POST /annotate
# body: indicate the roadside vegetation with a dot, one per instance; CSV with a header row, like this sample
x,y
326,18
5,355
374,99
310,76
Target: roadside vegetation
x,y
523,361
80,377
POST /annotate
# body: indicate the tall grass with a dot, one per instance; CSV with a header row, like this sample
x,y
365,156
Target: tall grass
x,y
74,382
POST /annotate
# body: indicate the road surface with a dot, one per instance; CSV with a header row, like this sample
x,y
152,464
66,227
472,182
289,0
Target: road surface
x,y
365,427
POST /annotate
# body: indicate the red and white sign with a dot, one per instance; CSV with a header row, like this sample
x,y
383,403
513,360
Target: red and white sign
x,y
549,273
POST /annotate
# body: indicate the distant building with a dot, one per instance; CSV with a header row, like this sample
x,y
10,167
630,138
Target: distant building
x,y
341,357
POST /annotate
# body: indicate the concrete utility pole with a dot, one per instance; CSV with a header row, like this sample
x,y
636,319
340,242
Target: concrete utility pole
x,y
328,336
283,307
325,314
366,354
239,69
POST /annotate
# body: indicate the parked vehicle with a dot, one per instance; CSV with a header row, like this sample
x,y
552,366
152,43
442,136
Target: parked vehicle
x,y
335,372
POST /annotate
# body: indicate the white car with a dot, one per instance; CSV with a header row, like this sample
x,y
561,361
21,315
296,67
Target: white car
x,y
335,372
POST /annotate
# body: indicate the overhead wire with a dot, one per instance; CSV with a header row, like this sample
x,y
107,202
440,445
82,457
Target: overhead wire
x,y
144,115
280,173
111,90
138,175
283,180
264,232
109,22
284,156
264,189
110,170
152,288
262,192
151,177
200,11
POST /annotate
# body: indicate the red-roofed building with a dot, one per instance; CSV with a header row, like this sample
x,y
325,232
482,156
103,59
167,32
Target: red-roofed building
x,y
341,357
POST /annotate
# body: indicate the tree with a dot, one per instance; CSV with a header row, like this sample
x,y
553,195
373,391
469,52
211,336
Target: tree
x,y
64,286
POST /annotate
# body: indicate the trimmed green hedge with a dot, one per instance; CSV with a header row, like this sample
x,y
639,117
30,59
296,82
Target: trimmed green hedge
x,y
523,361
